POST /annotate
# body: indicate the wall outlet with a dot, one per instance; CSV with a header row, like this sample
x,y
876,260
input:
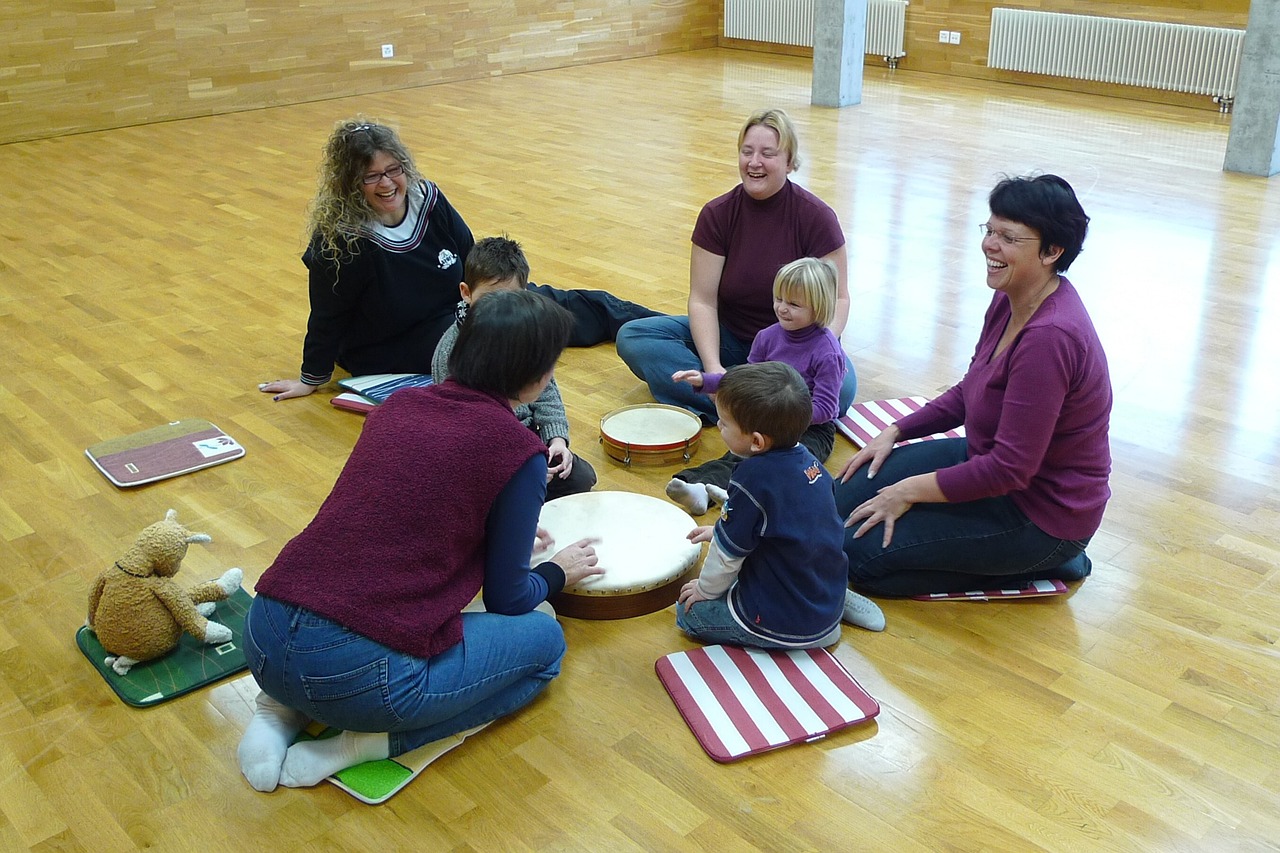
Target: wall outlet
x,y
388,51
955,37
944,36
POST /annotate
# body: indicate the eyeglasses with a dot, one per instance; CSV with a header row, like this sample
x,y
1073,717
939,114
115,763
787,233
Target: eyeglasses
x,y
1005,237
374,177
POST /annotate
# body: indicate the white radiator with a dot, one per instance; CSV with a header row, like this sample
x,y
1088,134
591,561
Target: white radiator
x,y
791,22
1173,57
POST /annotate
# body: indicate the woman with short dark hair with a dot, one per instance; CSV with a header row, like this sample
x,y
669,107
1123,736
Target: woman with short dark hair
x,y
1019,497
359,623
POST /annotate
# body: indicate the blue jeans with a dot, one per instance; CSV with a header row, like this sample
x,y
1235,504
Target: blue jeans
x,y
657,347
950,547
711,622
349,682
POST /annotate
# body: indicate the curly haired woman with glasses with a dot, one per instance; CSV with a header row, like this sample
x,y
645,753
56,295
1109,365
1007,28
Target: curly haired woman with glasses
x,y
385,258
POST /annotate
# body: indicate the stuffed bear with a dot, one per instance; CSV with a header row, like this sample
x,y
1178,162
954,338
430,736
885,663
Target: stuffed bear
x,y
139,612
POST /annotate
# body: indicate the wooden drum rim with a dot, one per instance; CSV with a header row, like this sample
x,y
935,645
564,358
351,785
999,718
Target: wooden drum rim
x,y
624,450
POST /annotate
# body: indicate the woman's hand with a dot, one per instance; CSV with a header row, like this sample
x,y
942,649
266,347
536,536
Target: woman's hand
x,y
543,542
876,451
578,561
892,502
693,377
887,506
690,593
286,388
559,459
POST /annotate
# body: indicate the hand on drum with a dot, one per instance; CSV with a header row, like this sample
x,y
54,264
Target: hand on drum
x,y
693,377
690,593
559,459
543,542
578,560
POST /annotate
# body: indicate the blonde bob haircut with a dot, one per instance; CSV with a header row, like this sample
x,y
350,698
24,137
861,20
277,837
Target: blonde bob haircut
x,y
812,282
780,123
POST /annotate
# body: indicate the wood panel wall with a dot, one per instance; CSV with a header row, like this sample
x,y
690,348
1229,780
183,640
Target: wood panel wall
x,y
73,66
972,18
69,66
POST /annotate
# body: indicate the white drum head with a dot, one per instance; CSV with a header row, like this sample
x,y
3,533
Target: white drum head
x,y
643,540
650,425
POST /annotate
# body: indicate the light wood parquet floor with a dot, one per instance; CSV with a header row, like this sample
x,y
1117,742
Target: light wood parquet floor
x,y
152,273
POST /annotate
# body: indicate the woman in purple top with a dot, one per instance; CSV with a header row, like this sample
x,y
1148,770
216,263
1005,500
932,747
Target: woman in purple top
x,y
740,241
1019,497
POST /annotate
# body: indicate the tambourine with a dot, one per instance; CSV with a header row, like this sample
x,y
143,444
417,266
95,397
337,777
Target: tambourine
x,y
650,434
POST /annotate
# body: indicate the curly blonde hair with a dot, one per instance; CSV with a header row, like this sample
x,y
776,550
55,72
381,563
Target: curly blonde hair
x,y
339,213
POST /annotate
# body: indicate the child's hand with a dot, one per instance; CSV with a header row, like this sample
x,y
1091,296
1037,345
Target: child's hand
x,y
693,377
559,459
701,534
689,594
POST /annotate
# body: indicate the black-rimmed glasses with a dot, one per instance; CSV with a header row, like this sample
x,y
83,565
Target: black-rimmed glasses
x,y
374,177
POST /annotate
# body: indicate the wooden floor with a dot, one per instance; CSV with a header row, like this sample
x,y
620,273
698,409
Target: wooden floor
x,y
151,273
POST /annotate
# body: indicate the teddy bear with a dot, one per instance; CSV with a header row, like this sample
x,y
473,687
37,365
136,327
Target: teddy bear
x,y
139,612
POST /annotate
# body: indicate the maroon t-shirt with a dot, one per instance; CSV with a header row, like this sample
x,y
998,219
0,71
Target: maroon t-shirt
x,y
758,238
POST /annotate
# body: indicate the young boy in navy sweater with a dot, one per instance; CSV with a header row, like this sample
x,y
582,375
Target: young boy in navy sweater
x,y
776,575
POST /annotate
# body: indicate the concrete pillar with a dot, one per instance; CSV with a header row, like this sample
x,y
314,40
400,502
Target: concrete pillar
x,y
839,41
1255,122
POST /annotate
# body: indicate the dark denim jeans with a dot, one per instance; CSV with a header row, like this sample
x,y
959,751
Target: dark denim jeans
x,y
950,547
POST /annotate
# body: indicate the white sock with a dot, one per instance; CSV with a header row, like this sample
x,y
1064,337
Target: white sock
x,y
262,749
311,762
691,496
862,612
717,495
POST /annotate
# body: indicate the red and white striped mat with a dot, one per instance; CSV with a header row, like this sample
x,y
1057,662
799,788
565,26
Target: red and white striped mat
x,y
864,421
1035,589
742,701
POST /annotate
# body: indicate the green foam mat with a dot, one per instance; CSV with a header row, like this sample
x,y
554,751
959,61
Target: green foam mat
x,y
190,666
376,782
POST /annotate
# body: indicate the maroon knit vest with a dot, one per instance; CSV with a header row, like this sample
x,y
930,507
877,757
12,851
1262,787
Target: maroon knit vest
x,y
398,548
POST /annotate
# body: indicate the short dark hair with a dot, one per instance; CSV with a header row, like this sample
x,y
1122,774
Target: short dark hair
x,y
769,398
510,339
1048,204
495,259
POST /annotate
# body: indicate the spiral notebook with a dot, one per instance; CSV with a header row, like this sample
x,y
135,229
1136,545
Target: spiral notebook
x,y
740,702
377,387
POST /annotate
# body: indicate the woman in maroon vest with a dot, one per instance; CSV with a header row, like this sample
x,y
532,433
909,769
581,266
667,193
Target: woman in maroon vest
x,y
359,622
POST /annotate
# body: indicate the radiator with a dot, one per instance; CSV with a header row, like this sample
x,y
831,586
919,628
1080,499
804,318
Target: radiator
x,y
791,22
1172,57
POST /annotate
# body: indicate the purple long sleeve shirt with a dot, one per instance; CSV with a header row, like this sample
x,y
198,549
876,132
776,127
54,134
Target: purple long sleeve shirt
x,y
1036,417
814,351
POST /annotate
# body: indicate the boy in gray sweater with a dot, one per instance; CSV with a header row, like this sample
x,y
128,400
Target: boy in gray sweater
x,y
498,263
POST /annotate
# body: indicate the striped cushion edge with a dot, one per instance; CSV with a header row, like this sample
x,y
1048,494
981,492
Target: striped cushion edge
x,y
740,702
